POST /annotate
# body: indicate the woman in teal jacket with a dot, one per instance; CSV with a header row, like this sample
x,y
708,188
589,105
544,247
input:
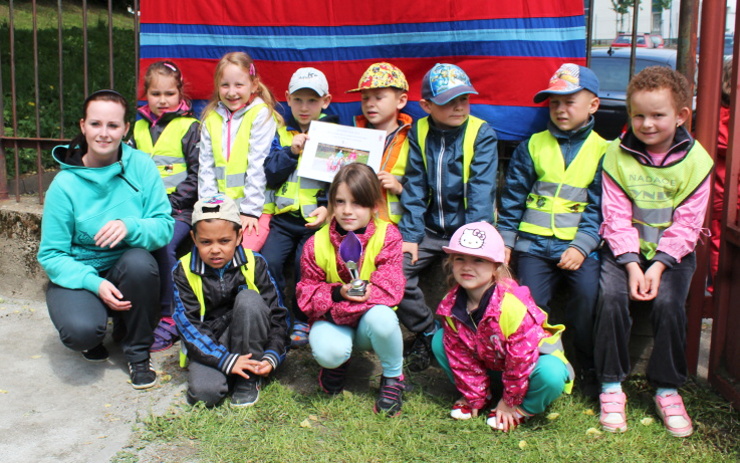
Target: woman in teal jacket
x,y
104,212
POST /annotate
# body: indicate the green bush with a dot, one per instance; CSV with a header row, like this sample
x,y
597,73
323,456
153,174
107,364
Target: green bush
x,y
50,117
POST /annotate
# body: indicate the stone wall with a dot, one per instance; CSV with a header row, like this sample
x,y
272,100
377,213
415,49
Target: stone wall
x,y
21,275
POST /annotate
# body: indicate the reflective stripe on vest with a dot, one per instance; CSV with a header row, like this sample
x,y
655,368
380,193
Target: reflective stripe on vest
x,y
297,193
196,284
560,195
398,170
167,152
326,256
656,191
513,311
469,137
231,174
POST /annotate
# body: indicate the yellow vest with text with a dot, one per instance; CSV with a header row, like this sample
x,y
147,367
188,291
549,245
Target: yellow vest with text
x,y
513,311
560,195
167,152
656,191
231,174
196,284
297,193
471,133
326,256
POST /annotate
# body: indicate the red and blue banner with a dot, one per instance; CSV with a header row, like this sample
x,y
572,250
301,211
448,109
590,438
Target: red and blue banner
x,y
508,48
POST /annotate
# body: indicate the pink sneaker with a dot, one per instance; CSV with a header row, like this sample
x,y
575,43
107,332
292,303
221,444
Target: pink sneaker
x,y
613,417
671,409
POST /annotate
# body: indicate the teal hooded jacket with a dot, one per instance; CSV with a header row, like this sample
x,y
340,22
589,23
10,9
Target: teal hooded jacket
x,y
82,199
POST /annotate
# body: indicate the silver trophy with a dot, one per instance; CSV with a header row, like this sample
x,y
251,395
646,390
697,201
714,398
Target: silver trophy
x,y
350,251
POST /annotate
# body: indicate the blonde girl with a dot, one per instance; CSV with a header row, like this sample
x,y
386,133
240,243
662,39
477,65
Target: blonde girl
x,y
239,124
493,324
340,321
169,132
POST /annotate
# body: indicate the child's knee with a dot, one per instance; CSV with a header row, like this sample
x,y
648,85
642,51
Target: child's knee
x,y
382,321
331,355
210,395
82,335
249,302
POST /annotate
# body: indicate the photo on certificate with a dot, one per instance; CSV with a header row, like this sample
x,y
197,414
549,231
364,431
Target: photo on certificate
x,y
331,146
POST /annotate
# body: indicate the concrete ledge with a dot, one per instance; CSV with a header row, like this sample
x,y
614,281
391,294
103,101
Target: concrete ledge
x,y
21,275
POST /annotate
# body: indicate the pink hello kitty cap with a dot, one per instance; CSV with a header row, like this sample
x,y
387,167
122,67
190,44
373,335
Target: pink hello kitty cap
x,y
478,239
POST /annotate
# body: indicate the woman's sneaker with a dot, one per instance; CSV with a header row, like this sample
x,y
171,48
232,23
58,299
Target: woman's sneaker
x,y
97,354
142,374
390,397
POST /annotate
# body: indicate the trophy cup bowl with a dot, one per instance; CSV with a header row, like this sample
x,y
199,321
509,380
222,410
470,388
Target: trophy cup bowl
x,y
350,251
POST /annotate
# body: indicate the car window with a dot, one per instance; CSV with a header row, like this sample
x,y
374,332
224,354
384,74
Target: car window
x,y
640,40
613,71
623,39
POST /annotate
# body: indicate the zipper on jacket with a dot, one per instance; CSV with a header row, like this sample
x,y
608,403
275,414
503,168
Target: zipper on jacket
x,y
123,171
439,184
228,137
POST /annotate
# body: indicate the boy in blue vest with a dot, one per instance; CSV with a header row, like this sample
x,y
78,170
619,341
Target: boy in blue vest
x,y
299,204
227,310
551,208
450,181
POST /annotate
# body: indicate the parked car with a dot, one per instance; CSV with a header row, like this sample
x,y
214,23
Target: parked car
x,y
612,66
643,40
729,41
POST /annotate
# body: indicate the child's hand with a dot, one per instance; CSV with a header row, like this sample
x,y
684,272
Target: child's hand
x,y
412,249
298,142
507,255
390,182
344,292
505,416
112,297
244,364
110,234
652,279
250,224
636,281
320,213
571,259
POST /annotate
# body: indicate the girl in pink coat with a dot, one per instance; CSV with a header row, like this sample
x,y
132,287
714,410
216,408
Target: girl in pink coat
x,y
492,323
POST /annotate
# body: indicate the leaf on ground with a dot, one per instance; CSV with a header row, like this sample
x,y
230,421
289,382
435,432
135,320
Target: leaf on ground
x,y
522,444
346,393
35,356
553,416
305,423
107,405
647,421
593,432
165,378
313,417
102,437
2,391
589,412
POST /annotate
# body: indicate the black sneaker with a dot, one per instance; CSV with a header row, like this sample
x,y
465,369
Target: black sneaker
x,y
419,356
331,380
390,397
142,374
97,354
246,391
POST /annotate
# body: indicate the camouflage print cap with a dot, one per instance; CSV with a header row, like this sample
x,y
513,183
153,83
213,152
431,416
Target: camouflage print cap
x,y
382,75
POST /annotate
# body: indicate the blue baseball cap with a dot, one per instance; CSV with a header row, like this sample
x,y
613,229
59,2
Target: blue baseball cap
x,y
569,79
444,82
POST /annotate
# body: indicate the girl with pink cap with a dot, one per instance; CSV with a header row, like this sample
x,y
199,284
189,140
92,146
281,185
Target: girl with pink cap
x,y
493,324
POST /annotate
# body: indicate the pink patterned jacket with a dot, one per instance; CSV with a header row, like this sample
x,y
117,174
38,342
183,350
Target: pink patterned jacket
x,y
314,294
471,354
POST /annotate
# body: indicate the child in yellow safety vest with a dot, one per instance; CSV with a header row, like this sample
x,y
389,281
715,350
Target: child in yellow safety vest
x,y
168,131
493,324
233,328
342,316
655,191
551,209
298,204
239,124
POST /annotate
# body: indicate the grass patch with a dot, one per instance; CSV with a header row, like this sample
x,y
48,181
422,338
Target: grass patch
x,y
47,13
291,426
53,122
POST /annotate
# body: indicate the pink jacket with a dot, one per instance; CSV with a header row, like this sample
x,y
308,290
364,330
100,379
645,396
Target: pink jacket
x,y
472,353
678,240
314,294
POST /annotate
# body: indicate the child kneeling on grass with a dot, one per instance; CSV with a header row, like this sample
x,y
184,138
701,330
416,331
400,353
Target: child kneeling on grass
x,y
233,325
493,324
341,321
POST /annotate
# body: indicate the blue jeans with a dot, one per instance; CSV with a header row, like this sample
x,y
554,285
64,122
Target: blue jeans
x,y
378,330
667,365
542,276
166,259
288,234
546,382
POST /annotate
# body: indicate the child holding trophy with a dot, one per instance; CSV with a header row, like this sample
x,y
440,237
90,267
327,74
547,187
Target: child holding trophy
x,y
351,278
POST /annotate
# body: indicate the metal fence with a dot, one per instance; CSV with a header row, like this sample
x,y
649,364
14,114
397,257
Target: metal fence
x,y
13,139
